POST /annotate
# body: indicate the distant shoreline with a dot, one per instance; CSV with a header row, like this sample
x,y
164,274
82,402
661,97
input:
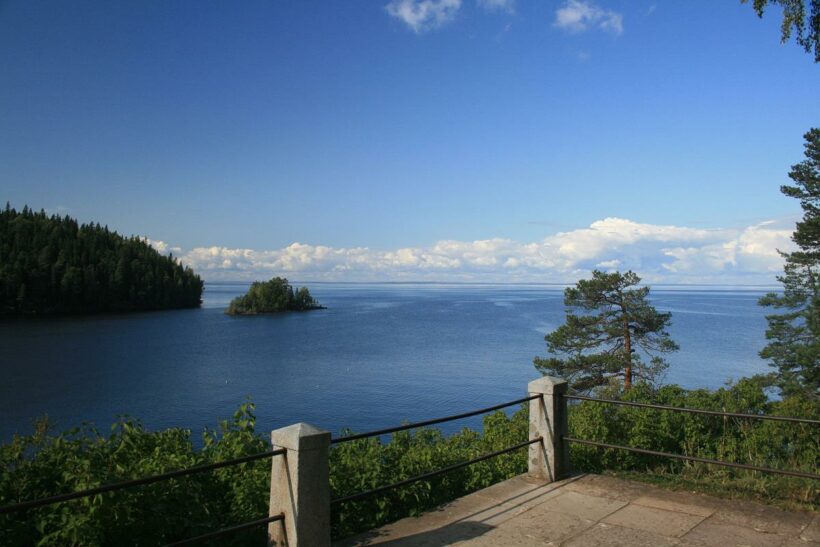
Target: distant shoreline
x,y
655,286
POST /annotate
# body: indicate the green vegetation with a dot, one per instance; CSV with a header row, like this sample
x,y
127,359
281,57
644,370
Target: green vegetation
x,y
794,336
272,296
45,464
597,353
368,463
805,26
52,264
602,345
778,445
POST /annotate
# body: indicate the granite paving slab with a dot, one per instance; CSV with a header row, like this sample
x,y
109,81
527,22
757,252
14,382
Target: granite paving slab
x,y
594,510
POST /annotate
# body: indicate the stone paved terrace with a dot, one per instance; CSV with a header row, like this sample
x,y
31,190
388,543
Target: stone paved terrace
x,y
590,510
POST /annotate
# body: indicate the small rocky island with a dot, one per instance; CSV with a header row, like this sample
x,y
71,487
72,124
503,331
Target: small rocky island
x,y
272,296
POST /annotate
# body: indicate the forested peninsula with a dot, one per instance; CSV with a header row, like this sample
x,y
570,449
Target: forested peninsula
x,y
273,296
54,265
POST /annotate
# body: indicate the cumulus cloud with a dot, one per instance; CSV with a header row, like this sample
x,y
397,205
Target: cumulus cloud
x,y
754,249
423,15
498,5
659,253
579,15
609,264
161,246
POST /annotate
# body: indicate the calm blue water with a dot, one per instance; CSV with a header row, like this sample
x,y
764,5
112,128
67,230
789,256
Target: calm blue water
x,y
379,355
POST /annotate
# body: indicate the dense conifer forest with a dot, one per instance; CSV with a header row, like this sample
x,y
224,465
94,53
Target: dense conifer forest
x,y
53,264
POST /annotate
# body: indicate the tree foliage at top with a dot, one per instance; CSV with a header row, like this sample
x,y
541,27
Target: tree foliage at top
x,y
272,296
53,264
794,336
796,21
616,329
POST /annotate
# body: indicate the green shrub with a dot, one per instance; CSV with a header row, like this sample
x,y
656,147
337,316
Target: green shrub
x,y
763,443
365,464
44,464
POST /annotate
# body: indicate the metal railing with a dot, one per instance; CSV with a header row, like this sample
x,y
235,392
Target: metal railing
x,y
228,531
749,467
697,410
60,498
403,427
548,426
443,470
435,473
42,502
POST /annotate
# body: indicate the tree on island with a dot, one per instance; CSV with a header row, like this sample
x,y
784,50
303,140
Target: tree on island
x,y
53,264
272,296
805,26
601,342
794,336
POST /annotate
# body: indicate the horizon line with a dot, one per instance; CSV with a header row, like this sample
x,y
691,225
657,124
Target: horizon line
x,y
514,283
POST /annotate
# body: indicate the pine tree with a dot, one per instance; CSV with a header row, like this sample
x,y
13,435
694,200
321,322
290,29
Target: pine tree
x,y
794,336
276,295
608,341
52,264
801,18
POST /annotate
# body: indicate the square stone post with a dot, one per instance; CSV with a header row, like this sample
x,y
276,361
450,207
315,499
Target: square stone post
x,y
300,487
548,459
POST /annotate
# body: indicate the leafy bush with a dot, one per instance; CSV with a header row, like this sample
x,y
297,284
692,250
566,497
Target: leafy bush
x,y
764,443
44,464
365,464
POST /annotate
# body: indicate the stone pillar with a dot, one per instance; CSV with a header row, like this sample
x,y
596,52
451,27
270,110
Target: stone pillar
x,y
548,459
300,487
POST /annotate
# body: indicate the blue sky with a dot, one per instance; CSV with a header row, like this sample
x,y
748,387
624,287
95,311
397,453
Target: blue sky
x,y
413,139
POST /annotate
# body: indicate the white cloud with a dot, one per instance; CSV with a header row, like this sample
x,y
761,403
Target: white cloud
x,y
754,249
579,15
498,5
161,246
609,264
659,253
423,15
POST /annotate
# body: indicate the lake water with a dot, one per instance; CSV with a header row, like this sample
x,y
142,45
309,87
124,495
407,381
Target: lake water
x,y
379,355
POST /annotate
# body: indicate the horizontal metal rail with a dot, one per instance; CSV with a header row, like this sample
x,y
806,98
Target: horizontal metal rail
x,y
696,410
432,474
227,531
23,506
748,467
380,432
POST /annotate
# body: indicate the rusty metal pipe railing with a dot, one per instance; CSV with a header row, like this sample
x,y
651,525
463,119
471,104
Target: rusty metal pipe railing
x,y
404,427
432,474
23,506
696,410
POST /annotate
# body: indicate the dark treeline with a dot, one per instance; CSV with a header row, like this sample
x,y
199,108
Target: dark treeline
x,y
53,264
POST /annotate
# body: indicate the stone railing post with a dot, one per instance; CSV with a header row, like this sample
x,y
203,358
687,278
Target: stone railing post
x,y
300,487
548,459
